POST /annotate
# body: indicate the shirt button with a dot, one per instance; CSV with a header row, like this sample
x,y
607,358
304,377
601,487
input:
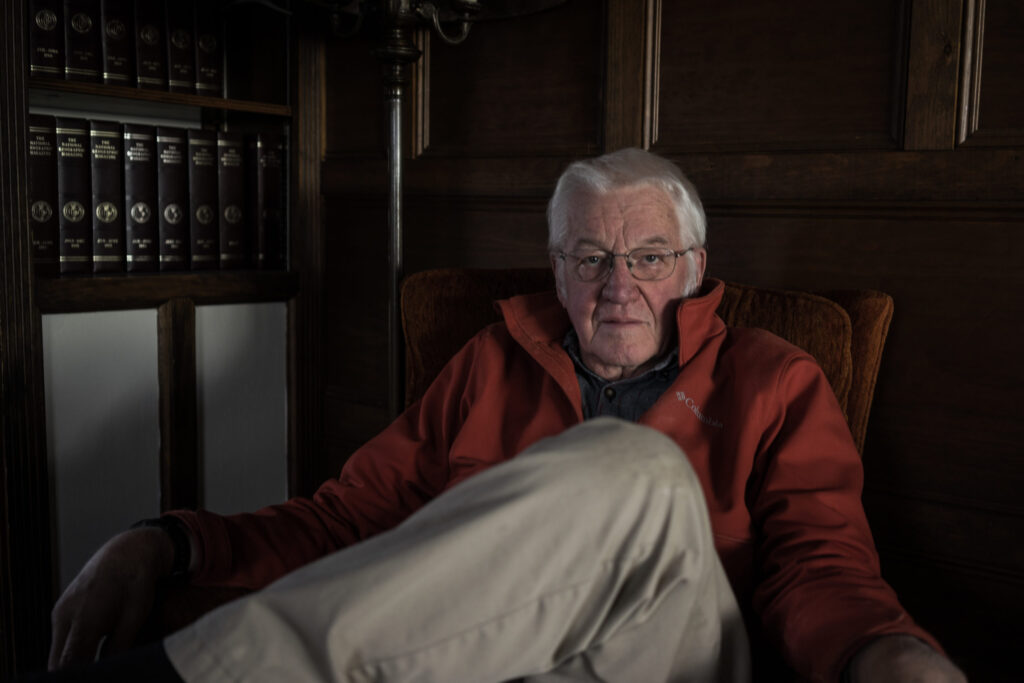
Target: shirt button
x,y
609,392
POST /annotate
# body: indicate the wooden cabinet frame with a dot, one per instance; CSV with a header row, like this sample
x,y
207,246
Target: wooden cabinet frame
x,y
26,558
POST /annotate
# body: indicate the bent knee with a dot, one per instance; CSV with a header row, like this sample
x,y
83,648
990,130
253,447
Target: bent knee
x,y
610,450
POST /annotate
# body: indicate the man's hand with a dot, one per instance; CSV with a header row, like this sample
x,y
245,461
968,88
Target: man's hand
x,y
902,659
111,597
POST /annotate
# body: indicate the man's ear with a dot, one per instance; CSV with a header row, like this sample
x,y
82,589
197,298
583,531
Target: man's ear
x,y
559,285
700,262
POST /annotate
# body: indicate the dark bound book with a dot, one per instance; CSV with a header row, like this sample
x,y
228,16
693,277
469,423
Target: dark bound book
x,y
150,52
209,44
140,198
106,152
42,192
231,191
118,17
181,56
74,195
46,38
268,232
82,40
202,193
172,197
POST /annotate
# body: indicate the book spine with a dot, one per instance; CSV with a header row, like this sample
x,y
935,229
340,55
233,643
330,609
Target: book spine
x,y
150,54
271,232
42,192
181,56
172,197
118,52
82,40
209,44
140,198
202,192
74,195
231,191
46,38
107,158
106,152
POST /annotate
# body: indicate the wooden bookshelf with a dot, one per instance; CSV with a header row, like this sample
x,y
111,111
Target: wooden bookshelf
x,y
79,294
161,97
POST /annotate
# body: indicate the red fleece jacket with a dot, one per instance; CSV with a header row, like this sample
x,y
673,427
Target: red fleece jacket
x,y
754,414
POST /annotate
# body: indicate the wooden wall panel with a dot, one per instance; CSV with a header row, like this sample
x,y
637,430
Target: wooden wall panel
x,y
475,233
795,75
354,98
992,84
524,86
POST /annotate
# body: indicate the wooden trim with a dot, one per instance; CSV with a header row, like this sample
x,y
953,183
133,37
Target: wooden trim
x,y
107,91
130,291
652,73
26,584
180,476
306,360
931,111
624,74
984,175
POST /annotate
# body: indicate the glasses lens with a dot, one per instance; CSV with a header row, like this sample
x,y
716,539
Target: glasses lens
x,y
652,264
593,266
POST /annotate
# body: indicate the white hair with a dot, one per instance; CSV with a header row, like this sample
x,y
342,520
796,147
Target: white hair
x,y
626,168
629,168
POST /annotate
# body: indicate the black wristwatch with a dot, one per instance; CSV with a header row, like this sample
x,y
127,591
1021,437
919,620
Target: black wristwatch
x,y
176,531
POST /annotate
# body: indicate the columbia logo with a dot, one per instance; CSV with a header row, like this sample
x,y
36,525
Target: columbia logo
x,y
695,409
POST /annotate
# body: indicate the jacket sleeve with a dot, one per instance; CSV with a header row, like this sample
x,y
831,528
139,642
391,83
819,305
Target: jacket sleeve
x,y
820,593
383,482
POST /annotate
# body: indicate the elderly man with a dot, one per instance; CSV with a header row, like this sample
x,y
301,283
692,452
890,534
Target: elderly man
x,y
496,531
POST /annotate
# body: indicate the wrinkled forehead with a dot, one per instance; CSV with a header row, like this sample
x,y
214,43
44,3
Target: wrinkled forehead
x,y
634,216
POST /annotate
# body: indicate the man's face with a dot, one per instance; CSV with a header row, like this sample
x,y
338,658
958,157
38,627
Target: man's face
x,y
623,323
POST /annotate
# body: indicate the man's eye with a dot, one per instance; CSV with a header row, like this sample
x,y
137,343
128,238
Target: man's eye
x,y
594,260
651,259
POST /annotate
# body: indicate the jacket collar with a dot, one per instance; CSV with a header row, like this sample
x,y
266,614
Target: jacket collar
x,y
539,323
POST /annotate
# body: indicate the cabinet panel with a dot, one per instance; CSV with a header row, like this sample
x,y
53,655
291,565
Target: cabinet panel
x,y
103,428
797,75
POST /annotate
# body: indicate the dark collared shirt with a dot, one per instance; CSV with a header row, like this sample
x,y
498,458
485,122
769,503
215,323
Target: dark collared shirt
x,y
625,398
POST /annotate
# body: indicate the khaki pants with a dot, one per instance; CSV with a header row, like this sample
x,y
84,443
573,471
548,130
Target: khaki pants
x,y
589,558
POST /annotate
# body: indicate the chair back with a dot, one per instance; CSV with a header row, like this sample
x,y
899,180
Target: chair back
x,y
844,330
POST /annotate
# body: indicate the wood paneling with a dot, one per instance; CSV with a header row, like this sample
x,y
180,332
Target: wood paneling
x,y
991,114
180,480
932,80
795,75
526,86
306,320
25,554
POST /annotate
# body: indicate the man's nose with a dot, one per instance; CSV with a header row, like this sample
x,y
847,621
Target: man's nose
x,y
620,285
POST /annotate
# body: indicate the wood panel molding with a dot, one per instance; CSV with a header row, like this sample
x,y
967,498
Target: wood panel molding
x,y
935,41
25,536
972,129
306,312
180,473
970,77
627,73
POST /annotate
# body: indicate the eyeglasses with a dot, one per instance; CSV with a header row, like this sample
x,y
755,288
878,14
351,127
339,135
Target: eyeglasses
x,y
644,263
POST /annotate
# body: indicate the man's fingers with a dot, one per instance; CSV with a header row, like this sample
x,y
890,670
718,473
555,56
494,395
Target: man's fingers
x,y
124,635
79,647
60,634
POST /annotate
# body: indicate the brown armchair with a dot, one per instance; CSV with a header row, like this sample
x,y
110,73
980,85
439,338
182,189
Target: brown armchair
x,y
844,330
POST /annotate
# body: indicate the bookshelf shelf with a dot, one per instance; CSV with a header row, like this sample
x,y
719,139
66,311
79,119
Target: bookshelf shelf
x,y
79,294
160,97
